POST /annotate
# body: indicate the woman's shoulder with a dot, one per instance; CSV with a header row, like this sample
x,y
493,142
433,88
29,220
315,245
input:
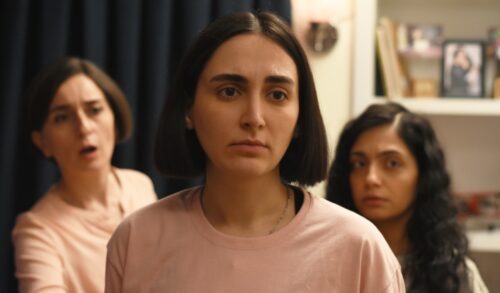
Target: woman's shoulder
x,y
39,220
133,176
341,223
361,242
47,207
138,186
339,216
160,211
28,219
154,222
476,283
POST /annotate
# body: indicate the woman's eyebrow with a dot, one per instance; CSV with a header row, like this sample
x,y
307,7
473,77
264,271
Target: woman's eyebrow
x,y
92,102
279,79
357,154
241,79
65,107
389,152
59,108
229,77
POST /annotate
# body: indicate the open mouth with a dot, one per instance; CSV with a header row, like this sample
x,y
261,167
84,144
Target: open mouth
x,y
88,150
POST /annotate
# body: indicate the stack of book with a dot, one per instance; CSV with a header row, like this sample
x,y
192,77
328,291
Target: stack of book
x,y
396,82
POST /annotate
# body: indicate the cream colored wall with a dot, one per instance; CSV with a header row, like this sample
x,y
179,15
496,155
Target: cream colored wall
x,y
332,71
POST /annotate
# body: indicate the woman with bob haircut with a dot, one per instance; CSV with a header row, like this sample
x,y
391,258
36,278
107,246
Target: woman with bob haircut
x,y
390,168
243,112
76,115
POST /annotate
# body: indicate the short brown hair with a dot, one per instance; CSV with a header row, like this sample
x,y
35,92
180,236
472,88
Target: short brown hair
x,y
45,85
177,150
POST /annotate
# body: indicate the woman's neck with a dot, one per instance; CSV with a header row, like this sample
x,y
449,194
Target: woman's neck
x,y
98,189
394,232
248,207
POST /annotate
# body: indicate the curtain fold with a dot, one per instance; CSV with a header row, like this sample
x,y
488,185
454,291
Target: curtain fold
x,y
13,19
155,60
94,16
138,43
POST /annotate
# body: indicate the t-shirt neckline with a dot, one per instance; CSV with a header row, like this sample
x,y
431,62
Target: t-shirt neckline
x,y
203,226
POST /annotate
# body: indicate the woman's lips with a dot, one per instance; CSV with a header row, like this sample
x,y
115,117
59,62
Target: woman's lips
x,y
374,200
88,151
251,142
248,146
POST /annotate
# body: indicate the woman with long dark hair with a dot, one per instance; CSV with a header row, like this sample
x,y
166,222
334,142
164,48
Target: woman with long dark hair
x,y
390,168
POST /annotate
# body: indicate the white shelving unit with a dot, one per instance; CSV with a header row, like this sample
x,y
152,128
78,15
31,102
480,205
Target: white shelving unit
x,y
468,128
460,19
446,106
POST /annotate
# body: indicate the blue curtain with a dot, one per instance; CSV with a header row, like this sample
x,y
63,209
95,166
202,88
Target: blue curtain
x,y
137,42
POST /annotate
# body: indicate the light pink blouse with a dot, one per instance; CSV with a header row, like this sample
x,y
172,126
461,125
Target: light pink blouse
x,y
62,248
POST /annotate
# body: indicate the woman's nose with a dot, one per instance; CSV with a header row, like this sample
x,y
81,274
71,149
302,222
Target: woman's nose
x,y
83,124
253,114
373,175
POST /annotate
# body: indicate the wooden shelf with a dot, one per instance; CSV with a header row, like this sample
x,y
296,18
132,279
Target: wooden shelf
x,y
448,106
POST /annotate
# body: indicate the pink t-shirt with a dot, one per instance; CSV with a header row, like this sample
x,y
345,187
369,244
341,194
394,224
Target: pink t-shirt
x,y
170,246
62,248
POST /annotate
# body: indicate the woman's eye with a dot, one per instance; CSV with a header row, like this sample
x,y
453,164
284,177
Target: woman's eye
x,y
60,118
278,95
357,164
228,92
392,164
95,110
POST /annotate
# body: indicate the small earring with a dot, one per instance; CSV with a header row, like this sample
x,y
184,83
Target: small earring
x,y
189,123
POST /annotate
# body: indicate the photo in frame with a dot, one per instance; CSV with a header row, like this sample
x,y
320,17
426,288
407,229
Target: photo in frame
x,y
494,42
420,40
462,69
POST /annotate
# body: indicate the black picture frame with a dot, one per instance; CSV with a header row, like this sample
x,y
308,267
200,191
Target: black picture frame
x,y
462,68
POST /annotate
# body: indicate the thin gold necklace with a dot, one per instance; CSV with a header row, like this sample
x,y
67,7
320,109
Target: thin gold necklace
x,y
282,216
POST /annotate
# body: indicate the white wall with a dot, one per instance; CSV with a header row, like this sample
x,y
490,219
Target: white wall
x,y
332,71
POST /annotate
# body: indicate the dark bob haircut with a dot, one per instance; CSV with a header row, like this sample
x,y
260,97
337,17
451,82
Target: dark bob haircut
x,y
438,245
45,85
178,152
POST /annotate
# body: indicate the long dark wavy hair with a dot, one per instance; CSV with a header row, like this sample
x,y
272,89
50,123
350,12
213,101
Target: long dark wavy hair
x,y
438,245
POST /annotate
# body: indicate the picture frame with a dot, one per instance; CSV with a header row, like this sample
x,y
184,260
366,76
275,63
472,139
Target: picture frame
x,y
462,68
493,48
420,40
